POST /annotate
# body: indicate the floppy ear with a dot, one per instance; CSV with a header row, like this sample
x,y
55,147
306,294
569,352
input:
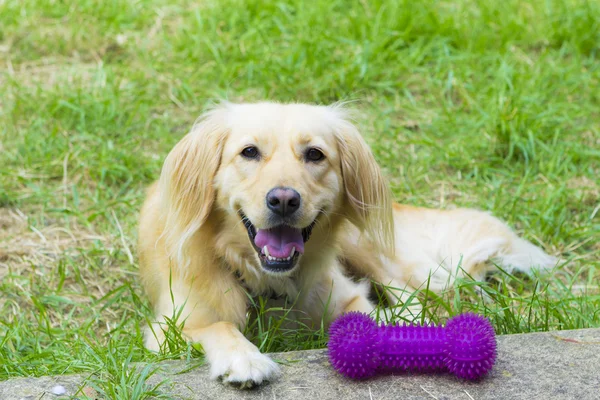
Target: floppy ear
x,y
186,181
367,192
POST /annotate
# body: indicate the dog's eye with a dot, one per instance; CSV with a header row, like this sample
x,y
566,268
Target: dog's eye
x,y
250,152
314,155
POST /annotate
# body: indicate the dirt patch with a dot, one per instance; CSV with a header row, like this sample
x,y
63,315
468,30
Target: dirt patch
x,y
583,182
22,244
49,72
12,224
591,138
586,189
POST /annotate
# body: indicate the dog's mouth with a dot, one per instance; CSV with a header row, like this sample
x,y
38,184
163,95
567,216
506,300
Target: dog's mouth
x,y
280,247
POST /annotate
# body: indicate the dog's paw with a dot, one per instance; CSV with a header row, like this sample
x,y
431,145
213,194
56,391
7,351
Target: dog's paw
x,y
244,369
153,338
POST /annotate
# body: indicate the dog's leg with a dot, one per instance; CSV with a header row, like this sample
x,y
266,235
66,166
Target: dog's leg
x,y
211,317
359,303
232,357
334,294
362,259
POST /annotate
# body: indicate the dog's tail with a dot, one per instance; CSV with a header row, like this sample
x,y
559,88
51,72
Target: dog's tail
x,y
523,256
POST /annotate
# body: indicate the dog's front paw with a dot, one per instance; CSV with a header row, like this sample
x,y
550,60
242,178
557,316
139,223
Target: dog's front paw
x,y
154,337
244,369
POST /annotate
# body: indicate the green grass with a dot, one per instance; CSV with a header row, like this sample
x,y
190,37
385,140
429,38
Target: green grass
x,y
486,104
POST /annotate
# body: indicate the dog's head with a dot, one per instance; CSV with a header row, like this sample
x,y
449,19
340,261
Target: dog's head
x,y
282,170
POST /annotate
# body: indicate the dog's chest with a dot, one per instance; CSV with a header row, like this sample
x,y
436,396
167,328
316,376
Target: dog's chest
x,y
268,286
257,283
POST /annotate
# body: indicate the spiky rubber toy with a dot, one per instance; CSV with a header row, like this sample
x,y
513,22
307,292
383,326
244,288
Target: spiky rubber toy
x,y
359,348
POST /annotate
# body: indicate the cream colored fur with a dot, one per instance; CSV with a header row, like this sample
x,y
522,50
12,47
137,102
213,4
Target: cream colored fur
x,y
197,259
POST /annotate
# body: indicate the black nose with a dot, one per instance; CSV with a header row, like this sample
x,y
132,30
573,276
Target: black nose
x,y
283,201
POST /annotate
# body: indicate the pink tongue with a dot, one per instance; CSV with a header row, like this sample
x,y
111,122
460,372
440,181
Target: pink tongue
x,y
280,240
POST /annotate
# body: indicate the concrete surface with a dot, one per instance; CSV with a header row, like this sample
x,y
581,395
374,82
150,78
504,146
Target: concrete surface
x,y
555,365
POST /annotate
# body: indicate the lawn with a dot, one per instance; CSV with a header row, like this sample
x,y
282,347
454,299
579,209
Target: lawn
x,y
486,104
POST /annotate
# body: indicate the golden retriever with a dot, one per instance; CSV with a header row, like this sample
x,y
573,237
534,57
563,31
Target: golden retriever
x,y
288,199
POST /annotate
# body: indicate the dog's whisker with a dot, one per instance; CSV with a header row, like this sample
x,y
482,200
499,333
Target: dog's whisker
x,y
320,223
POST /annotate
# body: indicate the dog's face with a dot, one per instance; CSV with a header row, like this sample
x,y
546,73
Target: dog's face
x,y
280,170
280,173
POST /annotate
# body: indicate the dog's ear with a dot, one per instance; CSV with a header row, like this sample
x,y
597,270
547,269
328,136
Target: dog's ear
x,y
186,181
367,192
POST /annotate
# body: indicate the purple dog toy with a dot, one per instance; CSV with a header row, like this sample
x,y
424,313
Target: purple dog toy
x,y
358,348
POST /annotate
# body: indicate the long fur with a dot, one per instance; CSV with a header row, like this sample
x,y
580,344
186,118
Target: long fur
x,y
197,261
185,184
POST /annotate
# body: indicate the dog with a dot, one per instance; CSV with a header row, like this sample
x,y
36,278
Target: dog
x,y
289,199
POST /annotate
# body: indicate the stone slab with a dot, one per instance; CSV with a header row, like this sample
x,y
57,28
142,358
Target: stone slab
x,y
553,365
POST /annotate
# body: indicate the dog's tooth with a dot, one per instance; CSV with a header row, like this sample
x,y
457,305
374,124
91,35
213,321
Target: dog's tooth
x,y
293,252
266,251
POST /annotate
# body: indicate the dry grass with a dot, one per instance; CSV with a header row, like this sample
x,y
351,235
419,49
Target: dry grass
x,y
22,244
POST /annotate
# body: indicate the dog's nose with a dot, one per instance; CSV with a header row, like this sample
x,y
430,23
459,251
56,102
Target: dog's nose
x,y
283,201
